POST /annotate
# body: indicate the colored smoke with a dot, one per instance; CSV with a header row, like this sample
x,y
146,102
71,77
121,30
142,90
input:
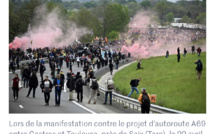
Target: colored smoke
x,y
49,29
153,41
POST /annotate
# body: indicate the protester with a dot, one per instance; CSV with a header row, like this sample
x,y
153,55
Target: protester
x,y
134,83
16,86
111,68
62,77
167,54
33,83
94,88
26,76
58,83
139,65
199,68
21,71
109,88
85,69
185,52
46,87
12,66
193,49
199,51
79,88
178,57
68,75
144,100
71,86
42,70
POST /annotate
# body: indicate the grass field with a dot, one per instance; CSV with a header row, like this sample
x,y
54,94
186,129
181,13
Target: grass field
x,y
175,84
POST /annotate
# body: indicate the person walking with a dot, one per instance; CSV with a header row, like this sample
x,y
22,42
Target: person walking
x,y
12,66
111,68
185,52
94,87
109,88
21,71
62,77
79,88
58,83
199,50
46,87
78,60
144,100
167,54
199,68
33,83
26,76
178,57
85,69
134,83
71,86
16,86
42,70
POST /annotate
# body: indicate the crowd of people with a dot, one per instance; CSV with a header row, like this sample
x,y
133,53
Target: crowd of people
x,y
151,36
88,57
83,56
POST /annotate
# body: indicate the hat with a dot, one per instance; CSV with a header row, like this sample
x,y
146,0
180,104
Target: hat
x,y
72,74
143,89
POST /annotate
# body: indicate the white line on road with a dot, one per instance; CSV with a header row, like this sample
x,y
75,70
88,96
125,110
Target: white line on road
x,y
84,107
21,106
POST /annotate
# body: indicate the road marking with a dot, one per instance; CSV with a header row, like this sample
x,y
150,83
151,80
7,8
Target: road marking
x,y
21,106
65,86
84,107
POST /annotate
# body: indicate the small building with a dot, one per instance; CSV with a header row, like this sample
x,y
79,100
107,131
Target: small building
x,y
177,20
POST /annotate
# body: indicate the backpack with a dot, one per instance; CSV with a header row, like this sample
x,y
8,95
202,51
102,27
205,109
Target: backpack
x,y
110,84
134,83
199,68
79,83
145,99
95,85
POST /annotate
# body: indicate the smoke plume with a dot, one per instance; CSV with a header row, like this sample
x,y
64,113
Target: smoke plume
x,y
146,39
50,29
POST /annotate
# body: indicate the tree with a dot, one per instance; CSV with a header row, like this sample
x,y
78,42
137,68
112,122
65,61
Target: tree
x,y
146,4
170,17
90,4
84,18
133,7
186,19
120,1
113,35
131,1
115,18
201,18
161,9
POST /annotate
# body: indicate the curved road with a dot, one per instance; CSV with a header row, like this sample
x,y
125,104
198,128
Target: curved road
x,y
37,104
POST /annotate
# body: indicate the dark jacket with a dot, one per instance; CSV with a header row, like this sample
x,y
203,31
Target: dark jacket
x,y
71,83
42,85
26,73
134,82
79,88
33,82
42,68
85,68
61,84
199,66
111,66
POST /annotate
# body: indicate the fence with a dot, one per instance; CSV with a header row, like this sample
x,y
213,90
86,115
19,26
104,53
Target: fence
x,y
134,104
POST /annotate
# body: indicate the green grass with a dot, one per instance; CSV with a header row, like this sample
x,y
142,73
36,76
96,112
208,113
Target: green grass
x,y
175,84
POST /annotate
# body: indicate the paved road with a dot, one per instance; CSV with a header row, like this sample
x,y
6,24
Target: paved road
x,y
37,104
